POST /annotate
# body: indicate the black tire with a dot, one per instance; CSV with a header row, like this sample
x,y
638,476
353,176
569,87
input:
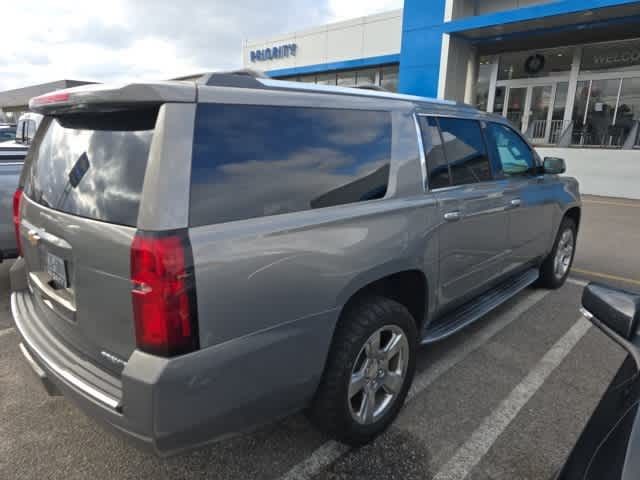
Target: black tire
x,y
330,410
548,276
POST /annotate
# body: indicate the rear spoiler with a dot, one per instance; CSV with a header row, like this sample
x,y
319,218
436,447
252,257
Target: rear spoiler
x,y
99,97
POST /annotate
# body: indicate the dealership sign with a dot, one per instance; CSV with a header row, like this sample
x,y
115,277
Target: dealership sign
x,y
629,57
273,53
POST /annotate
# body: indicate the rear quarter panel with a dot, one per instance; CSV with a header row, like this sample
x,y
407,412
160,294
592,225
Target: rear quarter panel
x,y
275,286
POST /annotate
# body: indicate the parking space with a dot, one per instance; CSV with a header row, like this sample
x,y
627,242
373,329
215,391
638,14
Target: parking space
x,y
505,399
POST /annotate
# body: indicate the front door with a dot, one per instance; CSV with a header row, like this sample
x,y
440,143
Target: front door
x,y
529,197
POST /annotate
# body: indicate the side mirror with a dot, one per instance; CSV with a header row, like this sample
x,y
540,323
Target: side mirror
x,y
554,165
615,309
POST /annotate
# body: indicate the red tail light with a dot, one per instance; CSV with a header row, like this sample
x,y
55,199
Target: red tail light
x,y
17,200
164,295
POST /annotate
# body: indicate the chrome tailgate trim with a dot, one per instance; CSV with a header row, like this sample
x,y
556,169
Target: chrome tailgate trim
x,y
70,378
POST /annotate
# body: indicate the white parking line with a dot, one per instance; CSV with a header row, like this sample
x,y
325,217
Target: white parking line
x,y
6,331
476,447
330,451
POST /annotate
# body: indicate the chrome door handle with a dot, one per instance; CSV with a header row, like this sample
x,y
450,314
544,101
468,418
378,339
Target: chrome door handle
x,y
515,203
452,216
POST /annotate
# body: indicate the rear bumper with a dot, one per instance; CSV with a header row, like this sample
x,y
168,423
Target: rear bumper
x,y
169,405
98,394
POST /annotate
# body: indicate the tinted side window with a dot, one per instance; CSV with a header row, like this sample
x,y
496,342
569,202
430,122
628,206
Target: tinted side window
x,y
437,167
513,152
252,160
465,151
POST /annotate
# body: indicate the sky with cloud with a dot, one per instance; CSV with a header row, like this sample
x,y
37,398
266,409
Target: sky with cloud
x,y
120,40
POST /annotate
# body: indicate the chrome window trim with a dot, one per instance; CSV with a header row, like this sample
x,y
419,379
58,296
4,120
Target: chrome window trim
x,y
423,157
70,378
450,187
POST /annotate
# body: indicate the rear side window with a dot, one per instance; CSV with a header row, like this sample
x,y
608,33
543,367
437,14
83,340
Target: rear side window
x,y
93,165
434,152
251,161
465,151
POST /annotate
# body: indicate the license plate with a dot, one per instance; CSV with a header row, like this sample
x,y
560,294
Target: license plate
x,y
57,270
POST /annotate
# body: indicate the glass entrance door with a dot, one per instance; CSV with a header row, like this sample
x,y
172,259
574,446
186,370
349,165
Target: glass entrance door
x,y
537,122
514,107
534,109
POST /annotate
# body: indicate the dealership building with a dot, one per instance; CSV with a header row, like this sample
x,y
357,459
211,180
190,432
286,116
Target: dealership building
x,y
564,72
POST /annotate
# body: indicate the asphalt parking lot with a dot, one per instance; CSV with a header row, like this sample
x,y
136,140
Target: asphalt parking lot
x,y
505,399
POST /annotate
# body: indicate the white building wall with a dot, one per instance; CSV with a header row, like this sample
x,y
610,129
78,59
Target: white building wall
x,y
610,173
459,52
371,36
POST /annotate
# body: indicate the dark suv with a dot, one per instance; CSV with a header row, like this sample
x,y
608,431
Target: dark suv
x,y
200,258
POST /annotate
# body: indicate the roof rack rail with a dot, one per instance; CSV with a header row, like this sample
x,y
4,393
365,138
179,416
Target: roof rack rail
x,y
248,78
369,92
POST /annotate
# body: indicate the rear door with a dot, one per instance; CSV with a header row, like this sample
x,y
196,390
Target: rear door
x,y
79,213
530,196
473,232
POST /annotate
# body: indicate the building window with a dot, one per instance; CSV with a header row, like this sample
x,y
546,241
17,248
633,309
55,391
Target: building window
x,y
347,79
557,117
326,79
482,83
387,77
629,104
606,111
498,101
367,77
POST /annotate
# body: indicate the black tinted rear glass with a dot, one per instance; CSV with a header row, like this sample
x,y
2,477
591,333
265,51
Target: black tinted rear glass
x,y
93,165
252,161
436,161
465,151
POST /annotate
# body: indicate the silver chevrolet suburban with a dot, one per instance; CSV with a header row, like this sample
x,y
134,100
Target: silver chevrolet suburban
x,y
201,258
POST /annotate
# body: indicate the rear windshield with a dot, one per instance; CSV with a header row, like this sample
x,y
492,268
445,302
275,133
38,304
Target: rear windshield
x,y
93,165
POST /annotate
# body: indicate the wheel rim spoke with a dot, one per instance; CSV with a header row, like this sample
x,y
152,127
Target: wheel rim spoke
x,y
392,382
358,382
368,406
393,347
